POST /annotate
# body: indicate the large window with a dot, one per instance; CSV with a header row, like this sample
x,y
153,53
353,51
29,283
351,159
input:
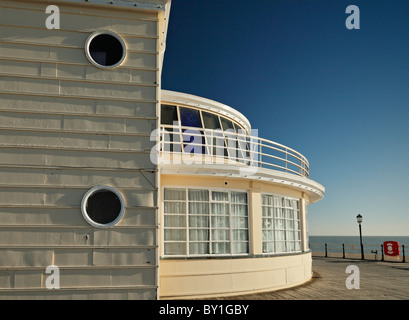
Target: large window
x,y
194,131
205,222
281,224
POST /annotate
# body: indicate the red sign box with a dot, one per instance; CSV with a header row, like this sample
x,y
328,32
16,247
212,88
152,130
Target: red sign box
x,y
391,248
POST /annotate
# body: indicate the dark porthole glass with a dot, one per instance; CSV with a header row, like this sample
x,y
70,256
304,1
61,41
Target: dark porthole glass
x,y
102,206
105,49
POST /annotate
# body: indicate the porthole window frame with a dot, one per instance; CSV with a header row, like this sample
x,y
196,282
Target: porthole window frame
x,y
89,193
105,32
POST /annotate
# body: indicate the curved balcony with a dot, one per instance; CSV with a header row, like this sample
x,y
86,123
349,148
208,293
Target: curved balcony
x,y
187,145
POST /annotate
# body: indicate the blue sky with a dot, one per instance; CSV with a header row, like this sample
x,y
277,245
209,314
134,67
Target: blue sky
x,y
338,96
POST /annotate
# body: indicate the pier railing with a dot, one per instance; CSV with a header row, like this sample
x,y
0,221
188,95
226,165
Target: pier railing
x,y
232,147
371,252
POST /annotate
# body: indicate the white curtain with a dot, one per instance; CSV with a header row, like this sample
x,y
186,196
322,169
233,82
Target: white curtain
x,y
268,235
239,197
198,221
267,211
174,207
174,221
198,208
268,247
220,196
281,232
220,235
240,235
239,223
278,202
175,235
220,209
279,224
175,248
198,195
240,247
217,222
267,223
267,200
174,194
220,223
279,213
239,220
220,247
198,235
198,248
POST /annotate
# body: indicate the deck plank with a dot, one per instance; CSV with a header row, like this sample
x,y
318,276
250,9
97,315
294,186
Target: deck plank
x,y
378,281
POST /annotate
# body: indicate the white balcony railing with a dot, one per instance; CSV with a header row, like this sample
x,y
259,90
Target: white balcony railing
x,y
229,147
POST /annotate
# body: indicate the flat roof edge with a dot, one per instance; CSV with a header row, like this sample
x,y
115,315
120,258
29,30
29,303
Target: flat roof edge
x,y
315,190
158,5
206,104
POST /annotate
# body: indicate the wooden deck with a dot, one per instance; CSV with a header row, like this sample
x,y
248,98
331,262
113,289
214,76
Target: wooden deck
x,y
378,281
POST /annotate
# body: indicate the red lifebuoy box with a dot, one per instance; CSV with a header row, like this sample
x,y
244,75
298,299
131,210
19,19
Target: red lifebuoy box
x,y
391,248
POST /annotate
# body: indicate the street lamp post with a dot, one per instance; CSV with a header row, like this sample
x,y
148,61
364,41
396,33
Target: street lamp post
x,y
359,220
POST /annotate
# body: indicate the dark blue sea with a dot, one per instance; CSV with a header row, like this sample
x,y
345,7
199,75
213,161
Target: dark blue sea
x,y
352,244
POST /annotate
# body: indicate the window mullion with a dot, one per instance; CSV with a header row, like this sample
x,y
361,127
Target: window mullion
x,y
273,226
187,222
182,147
230,223
210,223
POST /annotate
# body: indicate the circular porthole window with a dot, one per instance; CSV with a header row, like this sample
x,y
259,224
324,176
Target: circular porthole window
x,y
103,206
105,49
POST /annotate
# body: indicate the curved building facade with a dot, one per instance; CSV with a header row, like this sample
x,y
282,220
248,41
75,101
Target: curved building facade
x,y
233,206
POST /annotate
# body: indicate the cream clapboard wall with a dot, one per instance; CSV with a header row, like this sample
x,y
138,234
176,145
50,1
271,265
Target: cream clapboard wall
x,y
65,127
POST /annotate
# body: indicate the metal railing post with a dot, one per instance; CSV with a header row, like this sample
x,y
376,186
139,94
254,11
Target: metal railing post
x,y
277,156
403,253
383,257
343,251
326,251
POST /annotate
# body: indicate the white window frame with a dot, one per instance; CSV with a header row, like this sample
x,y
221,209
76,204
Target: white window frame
x,y
274,229
225,136
210,254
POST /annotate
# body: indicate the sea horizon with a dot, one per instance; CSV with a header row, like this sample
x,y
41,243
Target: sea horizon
x,y
352,243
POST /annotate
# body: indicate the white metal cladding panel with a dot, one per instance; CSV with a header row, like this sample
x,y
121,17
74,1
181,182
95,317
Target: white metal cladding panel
x,y
51,177
74,124
74,159
74,106
66,126
70,38
76,88
33,52
73,72
66,196
69,216
79,19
